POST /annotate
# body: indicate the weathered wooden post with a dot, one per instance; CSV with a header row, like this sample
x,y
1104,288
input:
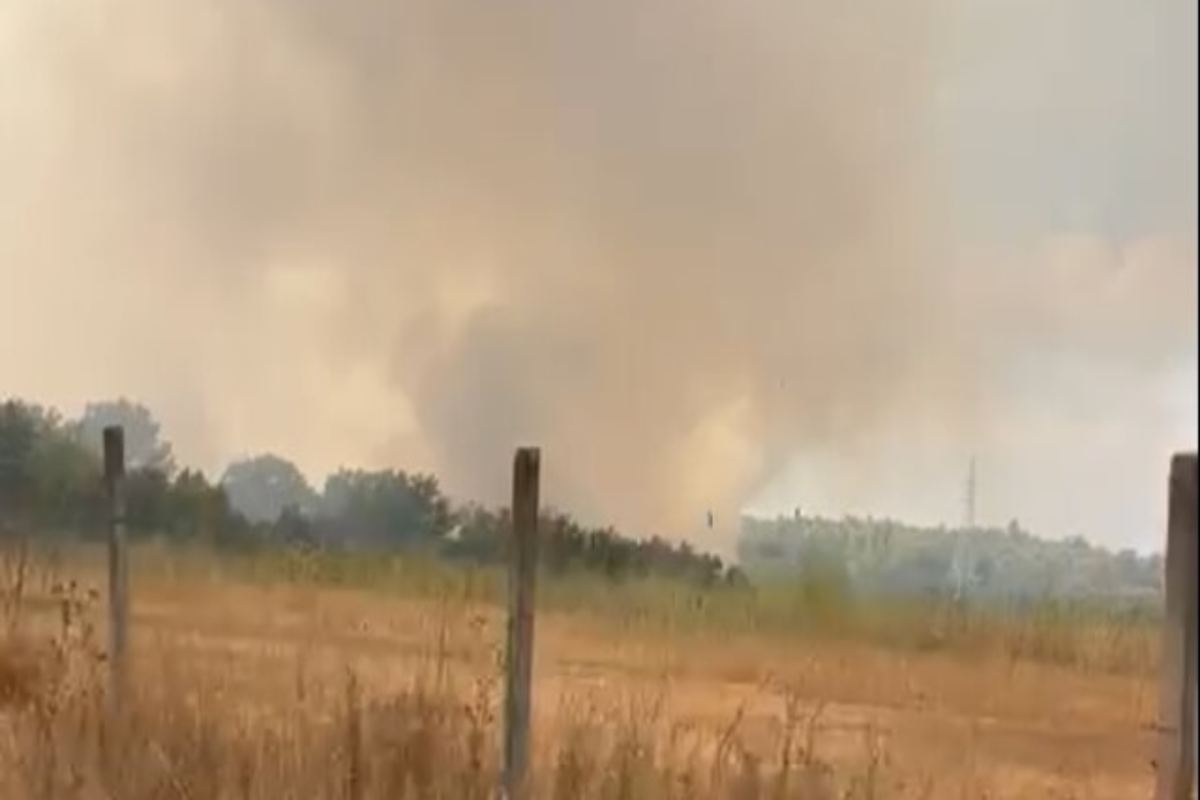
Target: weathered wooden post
x,y
519,661
1177,715
118,585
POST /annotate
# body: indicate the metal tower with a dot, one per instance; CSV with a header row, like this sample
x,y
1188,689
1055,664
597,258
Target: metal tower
x,y
960,565
970,520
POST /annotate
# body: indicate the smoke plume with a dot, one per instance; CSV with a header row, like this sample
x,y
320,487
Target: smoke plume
x,y
674,244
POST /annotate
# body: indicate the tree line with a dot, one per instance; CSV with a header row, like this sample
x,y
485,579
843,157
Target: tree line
x,y
987,564
51,484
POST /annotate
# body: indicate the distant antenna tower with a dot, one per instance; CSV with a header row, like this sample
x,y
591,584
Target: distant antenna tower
x,y
970,520
959,565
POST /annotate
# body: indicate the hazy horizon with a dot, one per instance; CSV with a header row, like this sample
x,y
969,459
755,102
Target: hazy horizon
x,y
755,257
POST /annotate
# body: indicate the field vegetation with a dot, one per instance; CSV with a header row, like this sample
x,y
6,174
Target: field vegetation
x,y
329,675
347,643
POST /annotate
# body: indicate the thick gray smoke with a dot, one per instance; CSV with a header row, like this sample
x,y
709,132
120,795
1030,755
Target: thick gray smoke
x,y
673,243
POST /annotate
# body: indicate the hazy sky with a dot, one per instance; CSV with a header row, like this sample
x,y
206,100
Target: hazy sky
x,y
708,255
1066,135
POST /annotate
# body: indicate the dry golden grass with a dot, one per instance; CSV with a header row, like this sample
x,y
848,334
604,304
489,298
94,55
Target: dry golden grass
x,y
290,689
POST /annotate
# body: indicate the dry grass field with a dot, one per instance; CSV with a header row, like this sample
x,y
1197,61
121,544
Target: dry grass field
x,y
264,682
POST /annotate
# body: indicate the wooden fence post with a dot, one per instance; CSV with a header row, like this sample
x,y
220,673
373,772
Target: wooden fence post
x,y
1177,716
519,661
118,578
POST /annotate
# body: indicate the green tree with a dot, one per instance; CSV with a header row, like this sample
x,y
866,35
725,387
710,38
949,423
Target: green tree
x,y
68,490
262,487
144,446
198,509
386,507
45,475
20,426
